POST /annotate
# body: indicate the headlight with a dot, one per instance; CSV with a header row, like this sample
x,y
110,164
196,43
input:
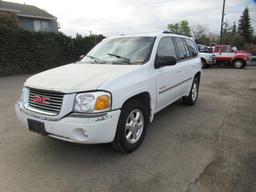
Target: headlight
x,y
92,102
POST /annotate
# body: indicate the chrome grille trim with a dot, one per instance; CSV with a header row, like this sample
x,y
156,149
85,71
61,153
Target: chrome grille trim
x,y
54,101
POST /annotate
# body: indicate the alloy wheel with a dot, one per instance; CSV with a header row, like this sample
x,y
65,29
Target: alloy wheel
x,y
134,126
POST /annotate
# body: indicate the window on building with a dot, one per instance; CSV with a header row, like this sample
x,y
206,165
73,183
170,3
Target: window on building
x,y
41,25
37,25
44,26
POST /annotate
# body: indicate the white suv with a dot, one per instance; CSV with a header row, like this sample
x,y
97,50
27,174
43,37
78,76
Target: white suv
x,y
206,57
112,94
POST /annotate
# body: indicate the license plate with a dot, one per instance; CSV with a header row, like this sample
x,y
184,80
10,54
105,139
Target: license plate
x,y
36,126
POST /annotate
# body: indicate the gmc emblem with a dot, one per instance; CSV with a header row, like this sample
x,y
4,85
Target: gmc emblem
x,y
40,100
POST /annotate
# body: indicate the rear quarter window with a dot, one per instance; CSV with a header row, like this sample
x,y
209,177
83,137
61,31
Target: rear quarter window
x,y
192,47
221,49
182,49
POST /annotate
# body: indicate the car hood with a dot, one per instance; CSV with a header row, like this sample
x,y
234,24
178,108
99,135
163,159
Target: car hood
x,y
242,53
77,77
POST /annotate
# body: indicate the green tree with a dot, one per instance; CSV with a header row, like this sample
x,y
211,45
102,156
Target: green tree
x,y
231,37
8,19
245,27
203,39
181,28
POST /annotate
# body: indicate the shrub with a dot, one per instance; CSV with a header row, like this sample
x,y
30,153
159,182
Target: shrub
x,y
24,52
9,19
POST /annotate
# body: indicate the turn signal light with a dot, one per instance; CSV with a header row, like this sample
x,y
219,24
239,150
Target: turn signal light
x,y
102,103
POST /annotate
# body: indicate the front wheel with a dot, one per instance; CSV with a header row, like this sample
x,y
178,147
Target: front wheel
x,y
238,64
132,126
193,94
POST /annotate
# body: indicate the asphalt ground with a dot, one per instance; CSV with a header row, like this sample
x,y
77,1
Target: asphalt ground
x,y
209,147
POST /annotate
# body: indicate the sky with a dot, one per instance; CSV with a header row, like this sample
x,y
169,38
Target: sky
x,y
115,17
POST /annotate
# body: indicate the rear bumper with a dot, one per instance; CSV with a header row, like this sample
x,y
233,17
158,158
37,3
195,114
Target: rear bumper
x,y
87,130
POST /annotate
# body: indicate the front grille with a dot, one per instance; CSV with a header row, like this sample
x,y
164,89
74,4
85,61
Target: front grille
x,y
45,102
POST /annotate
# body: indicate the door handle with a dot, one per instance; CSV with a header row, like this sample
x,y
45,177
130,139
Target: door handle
x,y
178,70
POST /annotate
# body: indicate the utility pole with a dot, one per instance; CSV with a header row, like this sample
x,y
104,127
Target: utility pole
x,y
222,21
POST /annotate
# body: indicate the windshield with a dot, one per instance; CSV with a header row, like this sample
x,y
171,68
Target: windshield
x,y
123,50
203,49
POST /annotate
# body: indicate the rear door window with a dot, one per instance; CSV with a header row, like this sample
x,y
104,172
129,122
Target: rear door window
x,y
223,49
183,51
216,49
166,48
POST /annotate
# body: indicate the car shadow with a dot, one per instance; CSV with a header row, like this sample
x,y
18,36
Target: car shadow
x,y
56,152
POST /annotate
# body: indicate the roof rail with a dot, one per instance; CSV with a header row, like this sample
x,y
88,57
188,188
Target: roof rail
x,y
167,32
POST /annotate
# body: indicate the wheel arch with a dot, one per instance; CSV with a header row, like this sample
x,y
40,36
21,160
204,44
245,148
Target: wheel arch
x,y
203,59
238,59
198,75
143,97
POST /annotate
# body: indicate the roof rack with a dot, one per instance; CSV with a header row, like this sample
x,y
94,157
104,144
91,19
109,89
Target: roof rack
x,y
167,32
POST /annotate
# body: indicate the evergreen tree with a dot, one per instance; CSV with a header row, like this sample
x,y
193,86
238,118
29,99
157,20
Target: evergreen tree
x,y
245,27
234,27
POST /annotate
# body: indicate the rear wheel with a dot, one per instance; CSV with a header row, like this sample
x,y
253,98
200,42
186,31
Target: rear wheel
x,y
192,97
238,64
132,126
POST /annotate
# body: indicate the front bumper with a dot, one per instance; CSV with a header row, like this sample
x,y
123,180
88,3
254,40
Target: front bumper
x,y
83,129
210,61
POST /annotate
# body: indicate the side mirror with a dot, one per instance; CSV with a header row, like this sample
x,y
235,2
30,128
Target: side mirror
x,y
165,61
81,57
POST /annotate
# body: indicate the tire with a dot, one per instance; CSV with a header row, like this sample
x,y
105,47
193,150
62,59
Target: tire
x,y
238,64
129,137
193,94
204,64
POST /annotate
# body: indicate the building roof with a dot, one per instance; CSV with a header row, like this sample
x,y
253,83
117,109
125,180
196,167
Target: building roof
x,y
23,10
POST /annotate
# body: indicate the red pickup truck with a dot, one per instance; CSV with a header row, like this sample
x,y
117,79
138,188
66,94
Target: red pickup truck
x,y
226,54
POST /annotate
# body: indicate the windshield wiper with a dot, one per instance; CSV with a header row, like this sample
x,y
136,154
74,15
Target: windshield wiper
x,y
96,59
119,57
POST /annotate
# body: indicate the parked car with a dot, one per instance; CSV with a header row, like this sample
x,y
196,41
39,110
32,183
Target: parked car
x,y
253,56
113,93
226,54
206,55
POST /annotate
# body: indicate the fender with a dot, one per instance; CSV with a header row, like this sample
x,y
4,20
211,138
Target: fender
x,y
152,99
240,56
